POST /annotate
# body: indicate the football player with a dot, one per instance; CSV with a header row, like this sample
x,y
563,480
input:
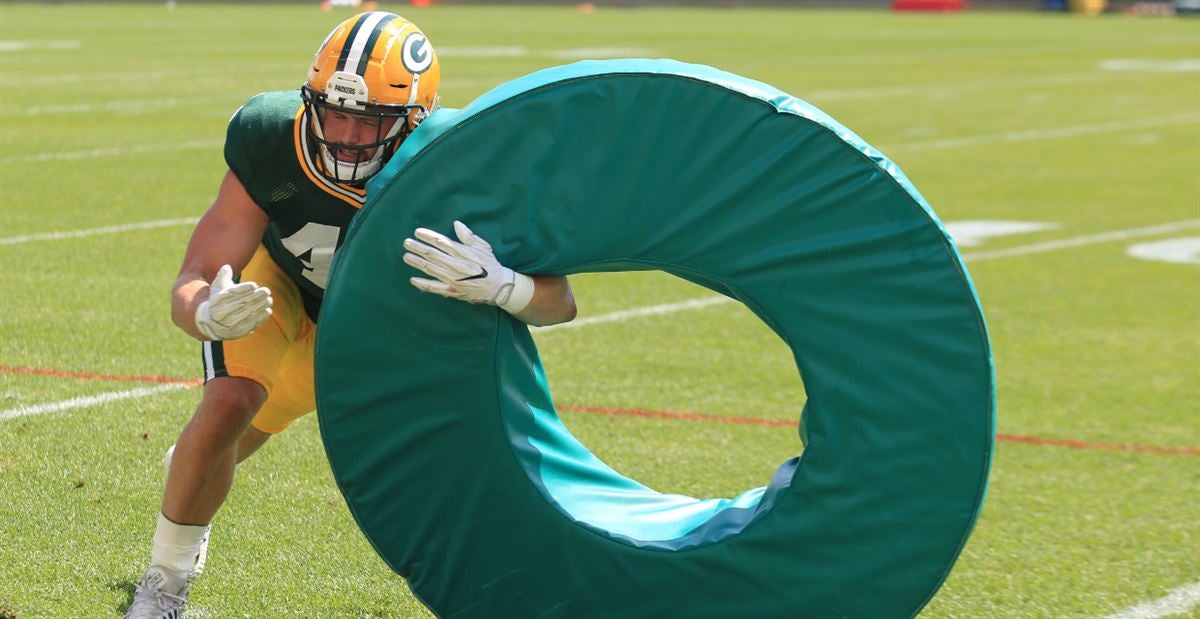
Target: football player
x,y
255,269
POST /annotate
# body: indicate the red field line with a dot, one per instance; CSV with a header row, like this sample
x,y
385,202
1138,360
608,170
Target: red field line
x,y
648,414
681,416
1074,444
756,421
123,378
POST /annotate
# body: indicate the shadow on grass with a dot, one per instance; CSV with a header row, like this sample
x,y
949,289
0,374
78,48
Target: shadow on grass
x,y
122,585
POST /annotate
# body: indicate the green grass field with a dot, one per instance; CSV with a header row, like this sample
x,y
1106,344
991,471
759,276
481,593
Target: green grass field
x,y
113,115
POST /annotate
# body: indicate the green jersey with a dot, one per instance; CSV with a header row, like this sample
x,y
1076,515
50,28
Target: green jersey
x,y
269,151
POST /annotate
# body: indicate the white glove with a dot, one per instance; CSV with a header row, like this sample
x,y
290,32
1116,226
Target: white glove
x,y
232,310
466,270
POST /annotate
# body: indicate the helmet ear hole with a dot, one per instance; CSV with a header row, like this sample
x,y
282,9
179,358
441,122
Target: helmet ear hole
x,y
414,118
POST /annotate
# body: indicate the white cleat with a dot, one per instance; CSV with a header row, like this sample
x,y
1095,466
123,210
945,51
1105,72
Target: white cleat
x,y
151,600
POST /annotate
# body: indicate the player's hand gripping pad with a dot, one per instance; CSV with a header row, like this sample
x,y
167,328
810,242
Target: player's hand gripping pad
x,y
440,428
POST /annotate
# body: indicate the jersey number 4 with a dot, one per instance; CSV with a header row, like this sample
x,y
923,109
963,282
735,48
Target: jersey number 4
x,y
314,245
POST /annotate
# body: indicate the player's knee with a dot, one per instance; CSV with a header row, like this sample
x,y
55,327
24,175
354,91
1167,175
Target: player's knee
x,y
231,402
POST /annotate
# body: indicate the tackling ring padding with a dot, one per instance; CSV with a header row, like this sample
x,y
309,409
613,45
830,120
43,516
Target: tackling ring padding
x,y
441,430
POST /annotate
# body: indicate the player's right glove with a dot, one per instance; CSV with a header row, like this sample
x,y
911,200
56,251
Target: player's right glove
x,y
232,310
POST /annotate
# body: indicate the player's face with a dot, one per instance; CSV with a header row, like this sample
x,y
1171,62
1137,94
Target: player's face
x,y
354,130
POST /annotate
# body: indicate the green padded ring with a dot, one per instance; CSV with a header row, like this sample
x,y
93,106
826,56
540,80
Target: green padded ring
x,y
441,431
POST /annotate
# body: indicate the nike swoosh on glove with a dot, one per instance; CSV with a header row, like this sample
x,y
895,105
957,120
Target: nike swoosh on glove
x,y
232,310
466,269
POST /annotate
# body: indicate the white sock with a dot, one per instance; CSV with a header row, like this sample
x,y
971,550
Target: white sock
x,y
175,548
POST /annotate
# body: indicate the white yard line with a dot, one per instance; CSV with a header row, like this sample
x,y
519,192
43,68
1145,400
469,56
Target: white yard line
x,y
148,75
1177,602
703,302
24,46
481,51
1054,133
125,106
962,142
619,316
113,151
72,234
1080,241
652,310
81,402
588,53
143,106
1151,65
945,88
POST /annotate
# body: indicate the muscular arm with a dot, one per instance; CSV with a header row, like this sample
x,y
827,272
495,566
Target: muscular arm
x,y
227,234
552,302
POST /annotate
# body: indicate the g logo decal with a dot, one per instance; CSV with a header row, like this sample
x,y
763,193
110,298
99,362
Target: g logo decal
x,y
417,53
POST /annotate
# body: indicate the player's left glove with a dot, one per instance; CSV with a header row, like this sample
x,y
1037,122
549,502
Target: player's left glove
x,y
232,310
466,269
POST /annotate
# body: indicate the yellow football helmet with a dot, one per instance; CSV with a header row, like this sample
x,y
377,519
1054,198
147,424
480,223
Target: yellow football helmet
x,y
376,65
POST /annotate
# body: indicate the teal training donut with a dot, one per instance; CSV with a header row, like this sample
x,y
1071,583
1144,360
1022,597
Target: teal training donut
x,y
440,428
